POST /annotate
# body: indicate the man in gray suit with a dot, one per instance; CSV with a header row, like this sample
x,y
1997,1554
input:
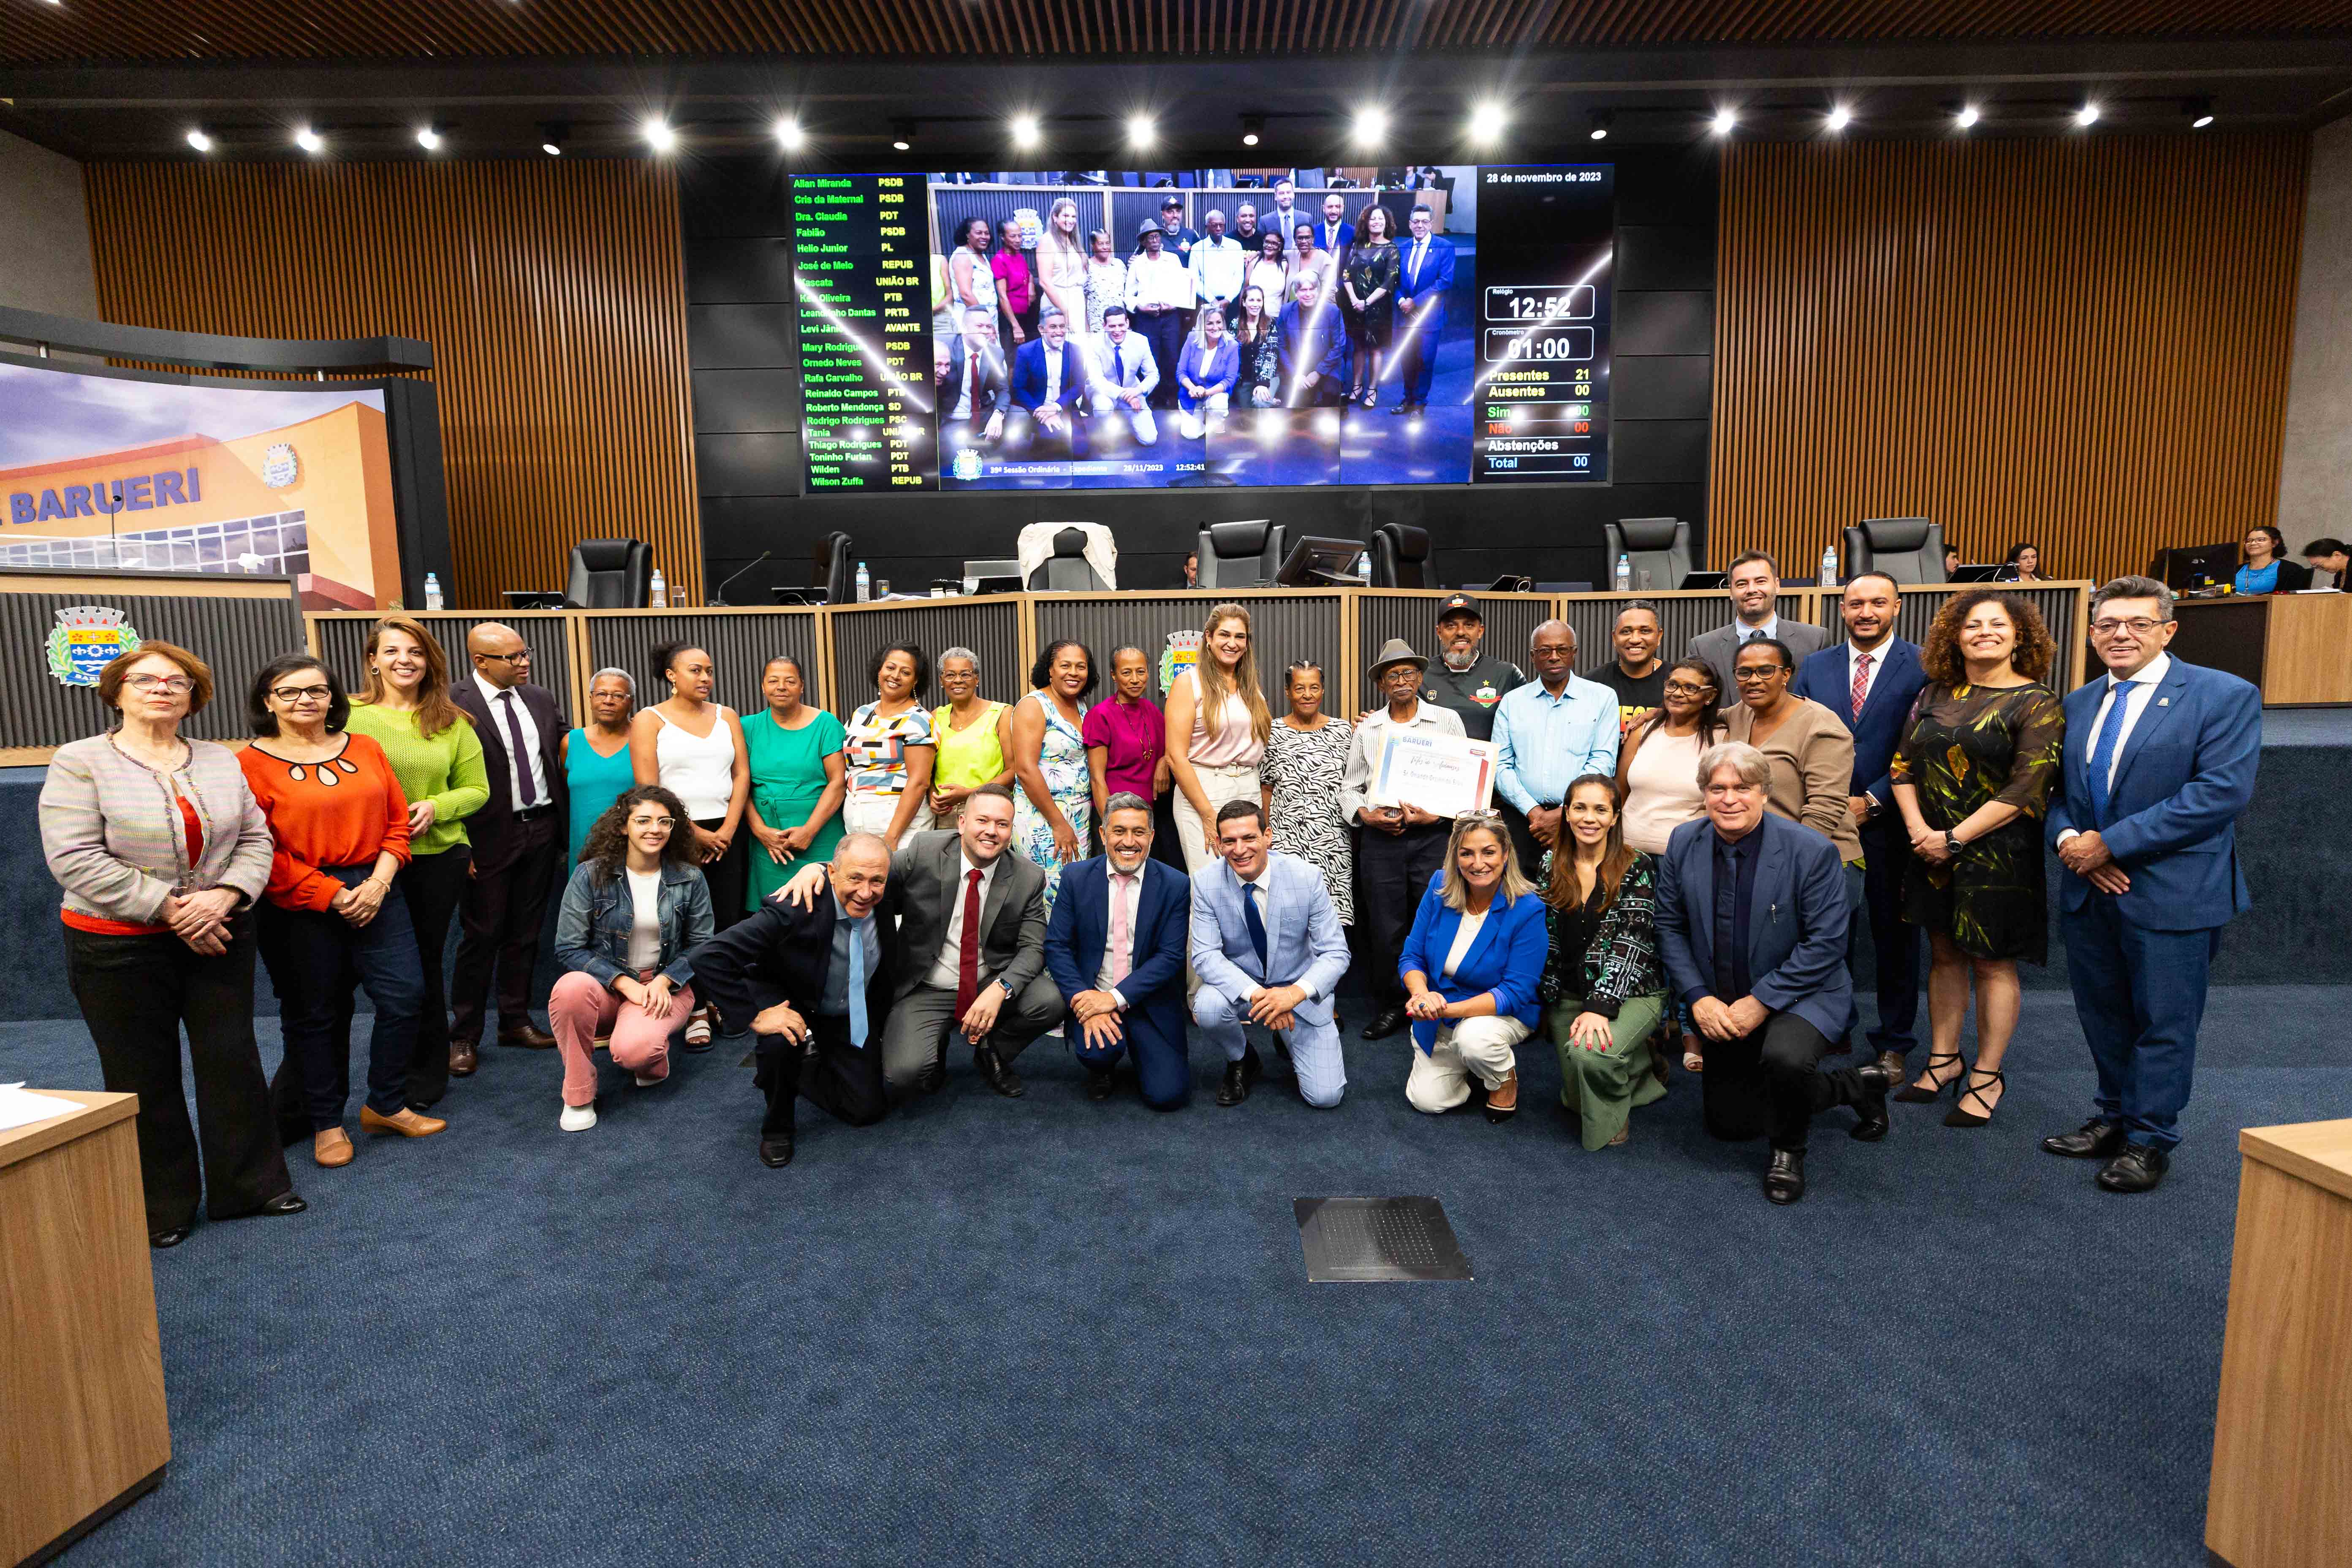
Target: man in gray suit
x,y
1269,950
1755,589
968,950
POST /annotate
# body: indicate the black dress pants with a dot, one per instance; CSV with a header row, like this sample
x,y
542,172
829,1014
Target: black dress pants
x,y
1393,871
136,994
827,1071
1529,847
730,876
1770,1082
433,886
504,907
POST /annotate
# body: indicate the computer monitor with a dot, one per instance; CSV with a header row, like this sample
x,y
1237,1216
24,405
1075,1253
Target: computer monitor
x,y
2194,566
1986,573
1321,563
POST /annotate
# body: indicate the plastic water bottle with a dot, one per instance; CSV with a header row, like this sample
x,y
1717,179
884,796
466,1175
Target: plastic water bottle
x,y
1625,573
864,584
432,592
1829,567
658,592
1364,567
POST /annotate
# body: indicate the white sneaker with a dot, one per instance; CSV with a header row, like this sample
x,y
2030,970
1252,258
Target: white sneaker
x,y
577,1117
645,1082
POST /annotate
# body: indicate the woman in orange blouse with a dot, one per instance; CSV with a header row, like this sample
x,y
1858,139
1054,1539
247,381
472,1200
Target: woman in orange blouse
x,y
339,824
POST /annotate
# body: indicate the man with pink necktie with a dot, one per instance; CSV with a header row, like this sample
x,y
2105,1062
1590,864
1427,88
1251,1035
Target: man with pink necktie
x,y
1115,946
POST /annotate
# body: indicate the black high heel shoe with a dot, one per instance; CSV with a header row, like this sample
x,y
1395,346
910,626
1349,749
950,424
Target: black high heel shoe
x,y
1959,1117
1912,1094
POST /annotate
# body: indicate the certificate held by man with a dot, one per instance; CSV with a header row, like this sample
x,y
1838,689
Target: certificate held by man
x,y
1445,775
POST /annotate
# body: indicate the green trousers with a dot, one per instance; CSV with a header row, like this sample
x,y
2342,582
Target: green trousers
x,y
1605,1086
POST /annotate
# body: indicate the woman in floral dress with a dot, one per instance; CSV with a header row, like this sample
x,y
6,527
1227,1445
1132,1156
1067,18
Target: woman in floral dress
x,y
1052,806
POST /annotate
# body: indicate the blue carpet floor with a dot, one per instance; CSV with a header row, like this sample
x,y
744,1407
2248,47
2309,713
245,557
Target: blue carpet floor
x,y
1050,1332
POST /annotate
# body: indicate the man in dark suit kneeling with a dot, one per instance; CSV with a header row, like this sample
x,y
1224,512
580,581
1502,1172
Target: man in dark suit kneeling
x,y
1115,946
816,984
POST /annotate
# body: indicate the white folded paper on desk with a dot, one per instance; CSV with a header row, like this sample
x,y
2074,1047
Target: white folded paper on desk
x,y
20,1107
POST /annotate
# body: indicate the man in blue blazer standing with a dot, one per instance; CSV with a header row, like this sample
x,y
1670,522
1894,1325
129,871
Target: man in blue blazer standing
x,y
1425,275
1751,917
1115,945
2160,759
1871,683
1268,948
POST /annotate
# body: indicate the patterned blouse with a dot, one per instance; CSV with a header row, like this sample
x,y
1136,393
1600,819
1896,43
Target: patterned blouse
x,y
1620,961
876,756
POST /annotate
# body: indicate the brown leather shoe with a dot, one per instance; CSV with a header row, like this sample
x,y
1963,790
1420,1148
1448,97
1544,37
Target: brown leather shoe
x,y
1503,1099
408,1123
1892,1062
530,1036
331,1148
463,1058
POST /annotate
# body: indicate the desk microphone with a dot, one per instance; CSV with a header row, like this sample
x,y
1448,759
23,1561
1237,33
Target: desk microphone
x,y
719,598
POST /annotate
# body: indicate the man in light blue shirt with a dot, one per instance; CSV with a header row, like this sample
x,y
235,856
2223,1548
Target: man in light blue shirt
x,y
1548,734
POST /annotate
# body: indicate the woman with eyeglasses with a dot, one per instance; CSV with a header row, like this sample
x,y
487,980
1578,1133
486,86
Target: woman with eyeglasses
x,y
1306,765
634,913
596,766
2267,570
1473,971
968,733
1604,981
1657,779
1972,779
162,850
1809,747
333,909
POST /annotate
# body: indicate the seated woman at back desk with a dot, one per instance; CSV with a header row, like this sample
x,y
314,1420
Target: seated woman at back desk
x,y
2267,570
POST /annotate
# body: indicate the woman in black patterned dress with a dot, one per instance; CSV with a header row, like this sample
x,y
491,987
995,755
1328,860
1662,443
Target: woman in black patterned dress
x,y
1305,756
1972,779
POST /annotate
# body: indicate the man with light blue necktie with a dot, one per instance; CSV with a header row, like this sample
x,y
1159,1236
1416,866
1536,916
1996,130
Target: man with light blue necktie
x,y
2159,761
816,984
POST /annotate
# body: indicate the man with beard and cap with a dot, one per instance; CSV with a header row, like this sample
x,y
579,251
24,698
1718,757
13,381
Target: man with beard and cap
x,y
1467,680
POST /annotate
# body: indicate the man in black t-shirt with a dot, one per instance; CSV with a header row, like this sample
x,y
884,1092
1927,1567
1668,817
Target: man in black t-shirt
x,y
1463,678
1636,675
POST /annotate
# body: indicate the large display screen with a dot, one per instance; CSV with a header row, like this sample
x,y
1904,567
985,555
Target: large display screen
x,y
110,470
1108,330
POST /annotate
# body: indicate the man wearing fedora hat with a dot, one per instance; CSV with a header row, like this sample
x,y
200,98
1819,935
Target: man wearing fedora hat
x,y
1398,847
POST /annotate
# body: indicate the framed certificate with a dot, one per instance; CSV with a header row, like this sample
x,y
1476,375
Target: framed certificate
x,y
1445,775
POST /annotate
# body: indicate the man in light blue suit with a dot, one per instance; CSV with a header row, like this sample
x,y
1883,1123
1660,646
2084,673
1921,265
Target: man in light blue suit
x,y
2160,759
1268,949
1425,277
1871,681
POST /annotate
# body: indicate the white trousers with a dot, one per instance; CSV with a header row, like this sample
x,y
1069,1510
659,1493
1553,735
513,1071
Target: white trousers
x,y
867,813
1440,1081
1194,421
1199,838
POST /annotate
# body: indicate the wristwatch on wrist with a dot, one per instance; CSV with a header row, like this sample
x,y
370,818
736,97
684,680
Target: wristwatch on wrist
x,y
1951,843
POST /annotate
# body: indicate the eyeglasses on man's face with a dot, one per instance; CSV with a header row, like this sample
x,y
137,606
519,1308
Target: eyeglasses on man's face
x,y
519,656
2138,626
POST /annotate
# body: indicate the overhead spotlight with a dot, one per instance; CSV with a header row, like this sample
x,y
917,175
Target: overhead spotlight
x,y
552,136
1253,128
2087,115
902,135
1486,122
1025,134
1726,119
1601,120
428,138
658,134
1372,127
2199,111
199,140
1967,117
309,140
789,134
1140,131
1840,117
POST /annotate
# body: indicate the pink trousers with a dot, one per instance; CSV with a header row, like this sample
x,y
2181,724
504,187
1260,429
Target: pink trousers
x,y
579,1010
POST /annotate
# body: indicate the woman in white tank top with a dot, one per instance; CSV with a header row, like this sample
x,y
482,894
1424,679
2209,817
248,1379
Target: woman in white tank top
x,y
693,748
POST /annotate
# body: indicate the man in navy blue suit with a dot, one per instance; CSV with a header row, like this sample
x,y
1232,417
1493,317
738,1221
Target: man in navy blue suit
x,y
1424,278
1049,381
1751,917
2160,759
1115,947
1307,346
1871,683
1335,233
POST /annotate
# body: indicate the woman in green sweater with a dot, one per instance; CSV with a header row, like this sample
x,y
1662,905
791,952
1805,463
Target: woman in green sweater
x,y
404,707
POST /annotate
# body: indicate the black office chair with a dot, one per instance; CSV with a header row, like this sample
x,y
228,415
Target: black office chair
x,y
1658,545
1240,555
1068,571
833,570
1907,549
610,575
1400,556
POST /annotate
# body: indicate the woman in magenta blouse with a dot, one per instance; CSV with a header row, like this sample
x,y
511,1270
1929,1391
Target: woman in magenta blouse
x,y
1126,738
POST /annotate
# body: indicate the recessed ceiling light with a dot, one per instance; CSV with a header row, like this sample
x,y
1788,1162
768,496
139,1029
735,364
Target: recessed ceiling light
x,y
1140,131
1253,128
789,134
309,140
2199,111
1840,117
552,136
1372,127
1487,121
1967,117
1025,132
428,138
902,135
2087,115
199,140
659,135
1602,119
1726,119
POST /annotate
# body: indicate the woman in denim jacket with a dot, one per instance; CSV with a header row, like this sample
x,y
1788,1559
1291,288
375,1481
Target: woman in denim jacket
x,y
627,966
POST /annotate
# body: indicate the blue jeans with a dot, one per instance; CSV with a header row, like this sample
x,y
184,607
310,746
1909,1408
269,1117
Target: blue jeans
x,y
314,959
2140,995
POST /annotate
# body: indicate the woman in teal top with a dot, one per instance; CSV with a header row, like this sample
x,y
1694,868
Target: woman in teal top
x,y
436,756
797,783
596,767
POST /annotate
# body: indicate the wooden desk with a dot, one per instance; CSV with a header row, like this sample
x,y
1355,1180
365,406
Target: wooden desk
x,y
2296,647
86,1432
2281,1488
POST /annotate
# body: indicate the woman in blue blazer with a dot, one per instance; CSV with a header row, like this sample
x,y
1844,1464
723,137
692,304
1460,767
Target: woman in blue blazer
x,y
1473,968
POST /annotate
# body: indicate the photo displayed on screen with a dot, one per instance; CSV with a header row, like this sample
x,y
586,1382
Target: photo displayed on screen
x,y
112,471
1125,328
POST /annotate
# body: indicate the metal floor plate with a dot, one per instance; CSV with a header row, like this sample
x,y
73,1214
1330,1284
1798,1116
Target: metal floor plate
x,y
1376,1239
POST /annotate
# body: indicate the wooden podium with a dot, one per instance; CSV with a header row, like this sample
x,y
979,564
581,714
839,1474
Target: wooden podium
x,y
86,1432
2281,1488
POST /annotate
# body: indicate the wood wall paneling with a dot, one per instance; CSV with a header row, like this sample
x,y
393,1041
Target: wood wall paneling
x,y
552,293
2082,344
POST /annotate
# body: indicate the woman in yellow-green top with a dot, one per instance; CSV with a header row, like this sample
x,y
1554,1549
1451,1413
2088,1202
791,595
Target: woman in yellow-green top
x,y
405,709
969,736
